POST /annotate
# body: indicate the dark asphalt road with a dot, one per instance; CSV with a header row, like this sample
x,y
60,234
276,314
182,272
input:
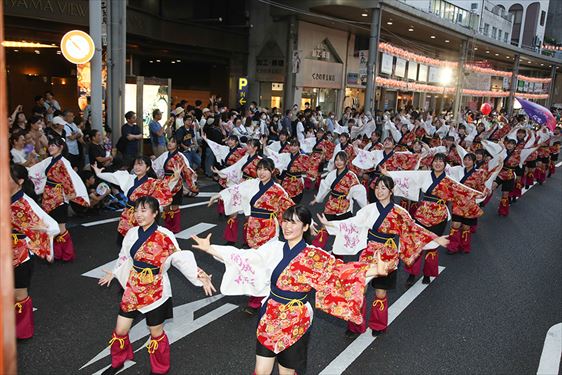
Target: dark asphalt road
x,y
488,312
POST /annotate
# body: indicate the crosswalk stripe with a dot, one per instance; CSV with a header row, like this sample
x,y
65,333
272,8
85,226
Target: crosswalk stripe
x,y
358,346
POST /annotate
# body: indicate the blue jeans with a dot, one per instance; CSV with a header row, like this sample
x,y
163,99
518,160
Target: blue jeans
x,y
194,159
209,161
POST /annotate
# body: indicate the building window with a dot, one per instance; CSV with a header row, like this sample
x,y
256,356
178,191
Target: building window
x,y
499,35
474,6
543,16
494,32
486,29
505,37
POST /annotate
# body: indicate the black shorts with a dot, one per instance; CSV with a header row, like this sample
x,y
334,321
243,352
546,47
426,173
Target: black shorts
x,y
22,274
154,317
177,198
332,217
437,229
507,185
531,164
554,157
60,214
387,282
519,171
294,357
464,220
544,160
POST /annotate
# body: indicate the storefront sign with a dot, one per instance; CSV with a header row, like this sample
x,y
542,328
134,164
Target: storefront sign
x,y
386,64
422,74
433,74
242,90
352,79
477,81
320,74
506,83
77,47
400,70
412,70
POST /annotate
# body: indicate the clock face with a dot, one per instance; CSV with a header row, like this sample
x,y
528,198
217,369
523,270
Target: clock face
x,y
77,47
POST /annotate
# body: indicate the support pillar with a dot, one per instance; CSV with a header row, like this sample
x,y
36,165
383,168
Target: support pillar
x,y
8,357
372,60
550,99
513,86
96,64
116,65
291,76
460,81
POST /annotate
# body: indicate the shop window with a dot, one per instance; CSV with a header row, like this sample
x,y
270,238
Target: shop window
x,y
543,17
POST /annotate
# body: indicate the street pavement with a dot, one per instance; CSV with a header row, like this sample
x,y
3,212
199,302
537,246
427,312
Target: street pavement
x,y
487,313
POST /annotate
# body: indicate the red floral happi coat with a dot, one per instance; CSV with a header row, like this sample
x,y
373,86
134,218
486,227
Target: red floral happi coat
x,y
401,162
412,239
23,219
187,174
324,150
259,230
53,196
294,185
512,161
231,159
475,181
406,141
340,205
500,133
453,157
251,169
432,213
144,289
156,188
340,288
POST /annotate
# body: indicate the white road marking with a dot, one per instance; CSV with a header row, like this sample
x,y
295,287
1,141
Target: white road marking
x,y
206,194
358,346
126,366
551,351
99,222
105,221
194,230
559,164
177,328
98,272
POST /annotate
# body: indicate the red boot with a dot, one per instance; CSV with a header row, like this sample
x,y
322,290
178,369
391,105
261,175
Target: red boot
x,y
321,239
530,180
159,350
254,302
172,220
551,168
220,207
231,231
466,239
121,350
57,247
24,319
317,183
542,176
454,240
473,228
359,328
67,253
516,192
414,269
431,265
503,210
378,320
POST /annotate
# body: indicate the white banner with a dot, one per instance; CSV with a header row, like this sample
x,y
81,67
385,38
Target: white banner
x,y
478,81
400,70
506,83
412,70
321,74
386,64
422,74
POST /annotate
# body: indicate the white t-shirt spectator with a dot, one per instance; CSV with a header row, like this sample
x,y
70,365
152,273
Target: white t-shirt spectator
x,y
300,132
72,144
19,156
